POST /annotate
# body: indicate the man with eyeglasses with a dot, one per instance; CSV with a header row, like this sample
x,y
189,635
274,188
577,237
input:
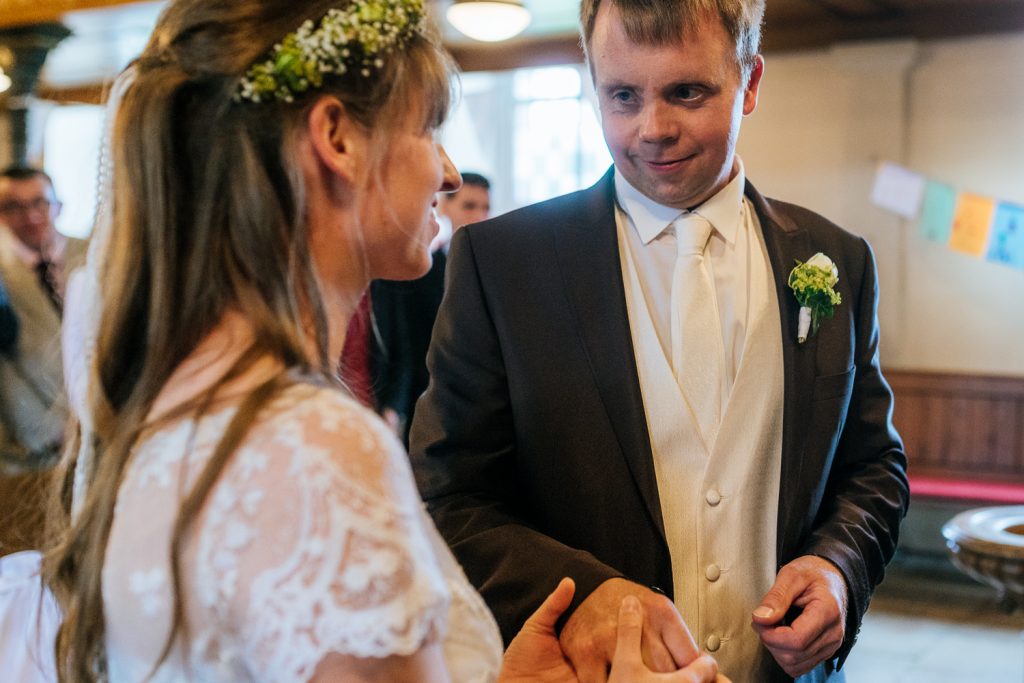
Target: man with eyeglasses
x,y
35,260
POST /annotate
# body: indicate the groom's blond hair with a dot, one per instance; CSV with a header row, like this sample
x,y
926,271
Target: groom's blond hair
x,y
663,22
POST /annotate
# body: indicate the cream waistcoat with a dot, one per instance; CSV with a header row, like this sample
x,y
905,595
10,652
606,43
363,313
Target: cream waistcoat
x,y
720,508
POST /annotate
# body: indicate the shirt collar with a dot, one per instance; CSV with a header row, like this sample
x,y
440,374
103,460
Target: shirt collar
x,y
723,210
30,257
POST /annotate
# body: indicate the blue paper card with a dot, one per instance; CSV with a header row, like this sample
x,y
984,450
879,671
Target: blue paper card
x,y
1006,244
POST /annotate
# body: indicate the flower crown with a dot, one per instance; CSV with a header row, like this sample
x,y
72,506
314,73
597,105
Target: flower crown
x,y
350,38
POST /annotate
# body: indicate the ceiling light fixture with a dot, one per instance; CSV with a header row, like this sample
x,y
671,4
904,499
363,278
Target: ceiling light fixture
x,y
489,20
5,81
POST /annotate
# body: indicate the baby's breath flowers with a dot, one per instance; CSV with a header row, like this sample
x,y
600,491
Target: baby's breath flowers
x,y
814,283
356,37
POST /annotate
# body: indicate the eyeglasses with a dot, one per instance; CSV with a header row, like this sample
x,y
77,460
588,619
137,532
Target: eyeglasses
x,y
40,204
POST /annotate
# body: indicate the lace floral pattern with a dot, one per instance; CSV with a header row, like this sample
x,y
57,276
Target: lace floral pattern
x,y
313,541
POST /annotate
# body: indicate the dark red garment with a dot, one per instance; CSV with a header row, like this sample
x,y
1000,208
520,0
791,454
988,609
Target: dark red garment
x,y
354,366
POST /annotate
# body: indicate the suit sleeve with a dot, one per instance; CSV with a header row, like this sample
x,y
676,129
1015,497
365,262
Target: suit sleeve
x,y
464,453
11,450
867,493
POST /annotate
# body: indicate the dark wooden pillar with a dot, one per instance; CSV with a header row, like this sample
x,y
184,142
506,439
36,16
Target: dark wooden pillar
x,y
25,48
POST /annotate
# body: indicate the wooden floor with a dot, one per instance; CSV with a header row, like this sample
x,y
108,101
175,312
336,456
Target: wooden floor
x,y
935,627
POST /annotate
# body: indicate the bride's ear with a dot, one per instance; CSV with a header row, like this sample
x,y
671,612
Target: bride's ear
x,y
337,141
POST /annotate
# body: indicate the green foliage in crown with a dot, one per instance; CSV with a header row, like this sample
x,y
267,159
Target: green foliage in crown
x,y
356,37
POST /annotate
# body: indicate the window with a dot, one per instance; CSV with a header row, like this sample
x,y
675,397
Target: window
x,y
71,144
533,132
559,147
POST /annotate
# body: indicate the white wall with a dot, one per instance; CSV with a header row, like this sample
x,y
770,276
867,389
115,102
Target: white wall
x,y
952,110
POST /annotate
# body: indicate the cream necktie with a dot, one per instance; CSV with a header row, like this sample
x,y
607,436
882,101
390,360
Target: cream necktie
x,y
697,348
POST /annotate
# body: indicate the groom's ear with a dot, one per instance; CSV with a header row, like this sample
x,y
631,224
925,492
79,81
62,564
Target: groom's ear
x,y
338,141
752,86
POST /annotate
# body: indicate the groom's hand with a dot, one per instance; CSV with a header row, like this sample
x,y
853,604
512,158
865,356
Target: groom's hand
x,y
814,586
591,633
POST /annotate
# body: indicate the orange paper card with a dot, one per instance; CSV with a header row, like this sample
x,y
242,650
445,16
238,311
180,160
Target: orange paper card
x,y
972,223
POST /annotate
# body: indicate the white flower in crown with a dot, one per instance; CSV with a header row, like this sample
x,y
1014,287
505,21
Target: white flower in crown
x,y
814,283
343,39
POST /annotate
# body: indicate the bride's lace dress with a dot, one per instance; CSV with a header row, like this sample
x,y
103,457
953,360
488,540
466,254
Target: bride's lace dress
x,y
313,541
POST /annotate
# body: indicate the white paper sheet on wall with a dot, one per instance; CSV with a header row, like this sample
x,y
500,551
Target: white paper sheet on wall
x,y
898,189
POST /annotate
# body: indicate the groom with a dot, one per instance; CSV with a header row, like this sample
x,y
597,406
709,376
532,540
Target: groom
x,y
618,393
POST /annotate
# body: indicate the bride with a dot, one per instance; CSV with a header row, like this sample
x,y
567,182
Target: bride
x,y
243,517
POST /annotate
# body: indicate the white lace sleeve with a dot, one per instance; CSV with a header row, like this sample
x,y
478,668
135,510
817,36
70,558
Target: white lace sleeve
x,y
314,542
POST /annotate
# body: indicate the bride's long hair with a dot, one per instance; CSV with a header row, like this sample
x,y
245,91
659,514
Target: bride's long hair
x,y
207,214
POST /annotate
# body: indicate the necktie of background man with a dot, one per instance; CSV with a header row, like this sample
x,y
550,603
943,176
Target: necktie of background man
x,y
46,272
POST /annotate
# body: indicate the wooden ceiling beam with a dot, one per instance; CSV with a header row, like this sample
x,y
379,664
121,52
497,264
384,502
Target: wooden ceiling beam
x,y
21,12
928,22
859,10
923,23
519,53
79,94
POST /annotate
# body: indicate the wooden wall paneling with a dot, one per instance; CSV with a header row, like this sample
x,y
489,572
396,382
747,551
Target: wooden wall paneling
x,y
934,443
959,430
1002,442
961,426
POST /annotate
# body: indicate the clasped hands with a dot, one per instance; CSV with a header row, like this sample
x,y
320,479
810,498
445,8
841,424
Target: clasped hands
x,y
626,633
606,639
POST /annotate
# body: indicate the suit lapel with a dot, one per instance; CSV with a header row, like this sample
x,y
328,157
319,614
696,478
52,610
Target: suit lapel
x,y
787,242
588,255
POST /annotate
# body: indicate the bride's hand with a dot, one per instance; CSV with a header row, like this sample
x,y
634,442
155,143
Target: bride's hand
x,y
628,664
534,655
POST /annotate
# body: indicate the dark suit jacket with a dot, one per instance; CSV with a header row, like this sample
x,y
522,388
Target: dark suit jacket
x,y
404,314
531,446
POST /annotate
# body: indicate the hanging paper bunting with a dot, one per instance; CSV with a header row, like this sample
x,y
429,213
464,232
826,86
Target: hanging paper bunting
x,y
965,222
937,212
1007,242
972,223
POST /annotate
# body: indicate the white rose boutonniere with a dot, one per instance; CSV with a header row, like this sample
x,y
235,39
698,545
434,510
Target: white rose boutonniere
x,y
814,283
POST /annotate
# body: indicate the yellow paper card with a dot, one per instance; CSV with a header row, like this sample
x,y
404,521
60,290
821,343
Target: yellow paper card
x,y
972,223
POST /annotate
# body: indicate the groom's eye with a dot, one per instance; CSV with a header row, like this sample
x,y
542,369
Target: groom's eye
x,y
623,96
689,93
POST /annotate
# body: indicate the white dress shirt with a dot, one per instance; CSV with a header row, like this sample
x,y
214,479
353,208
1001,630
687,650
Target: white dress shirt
x,y
731,248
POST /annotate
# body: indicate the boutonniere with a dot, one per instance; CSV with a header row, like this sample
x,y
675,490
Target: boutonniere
x,y
814,283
